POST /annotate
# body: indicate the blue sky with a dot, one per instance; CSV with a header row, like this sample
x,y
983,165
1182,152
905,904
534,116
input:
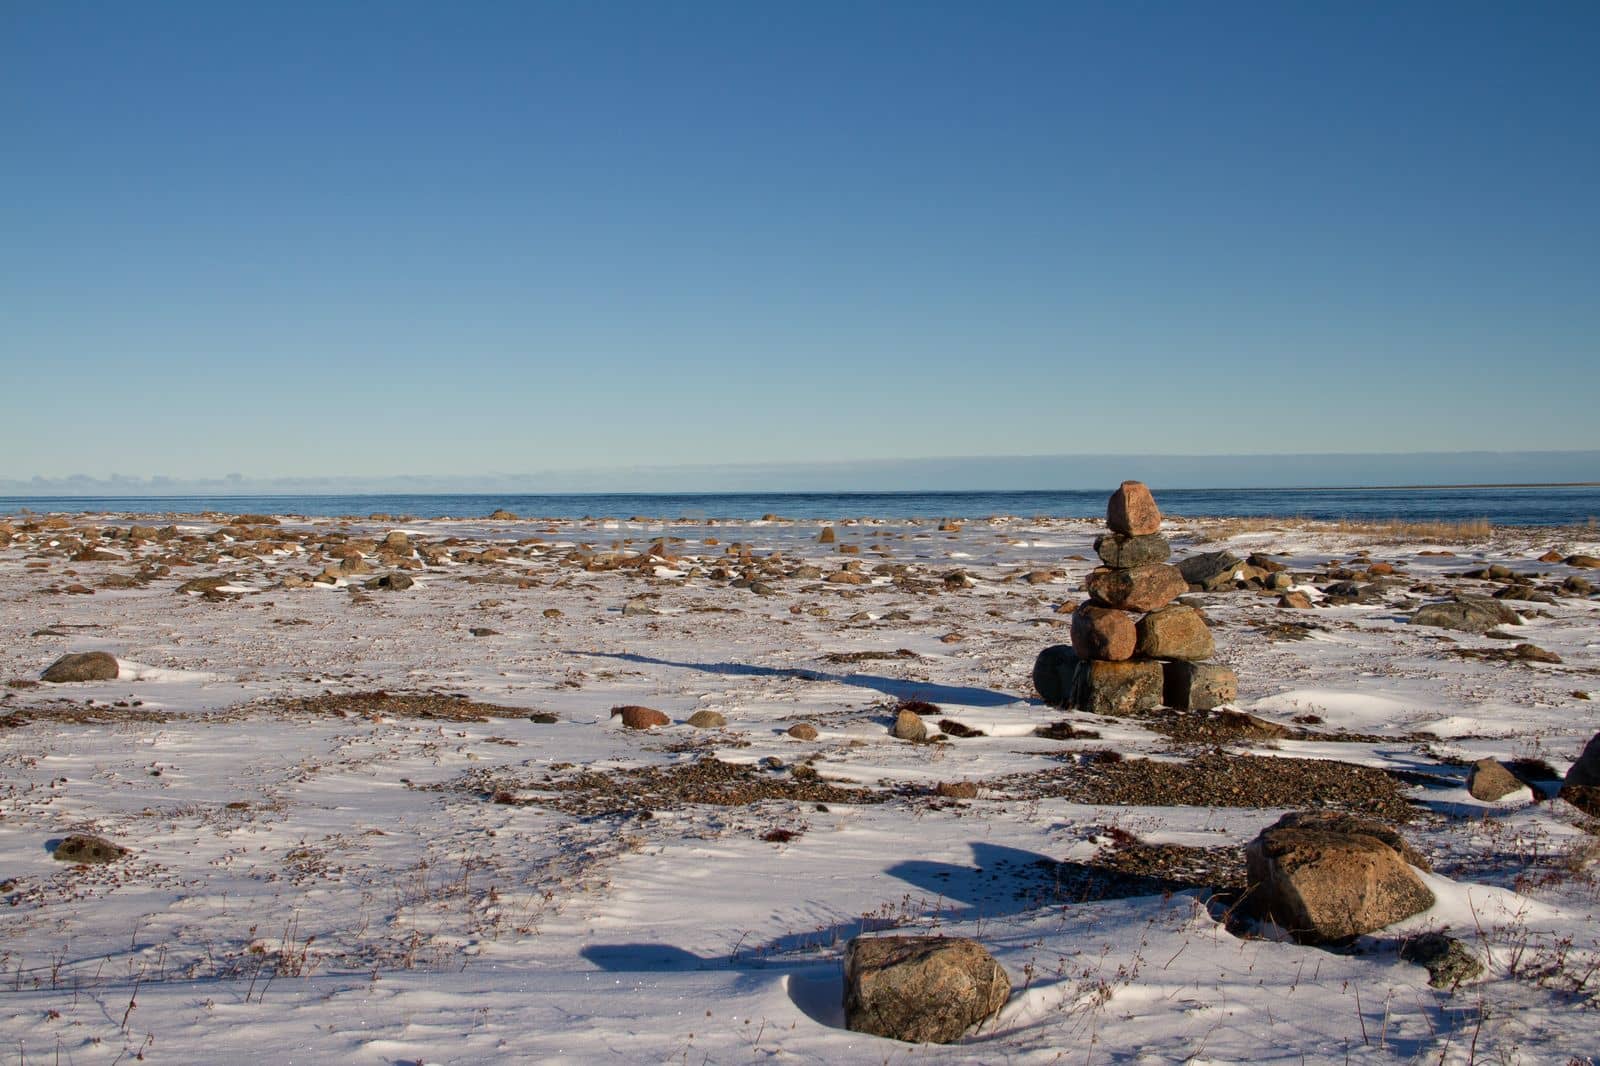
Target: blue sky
x,y
366,239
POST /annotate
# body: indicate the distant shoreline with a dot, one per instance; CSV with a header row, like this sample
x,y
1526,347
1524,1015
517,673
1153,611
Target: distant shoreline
x,y
789,492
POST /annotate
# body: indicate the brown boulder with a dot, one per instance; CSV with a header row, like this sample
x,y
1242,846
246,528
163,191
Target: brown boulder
x,y
1118,687
636,717
1198,686
1585,772
921,989
708,720
1132,511
1488,780
87,850
1587,562
1321,882
1140,588
1295,600
1103,633
908,725
82,666
1174,633
803,731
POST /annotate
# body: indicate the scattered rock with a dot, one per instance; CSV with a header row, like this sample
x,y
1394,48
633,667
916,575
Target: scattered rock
x,y
1585,772
1488,780
1448,961
1296,600
1132,511
964,790
391,582
638,606
1326,878
87,850
827,536
803,731
708,720
1212,571
1475,614
920,989
636,717
81,666
1587,562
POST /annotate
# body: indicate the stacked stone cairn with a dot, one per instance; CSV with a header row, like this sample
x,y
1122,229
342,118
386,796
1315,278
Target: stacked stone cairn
x,y
1133,647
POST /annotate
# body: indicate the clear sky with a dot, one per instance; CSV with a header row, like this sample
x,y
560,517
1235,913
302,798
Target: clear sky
x,y
380,238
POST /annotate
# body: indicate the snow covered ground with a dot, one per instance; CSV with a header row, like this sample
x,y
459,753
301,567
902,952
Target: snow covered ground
x,y
322,874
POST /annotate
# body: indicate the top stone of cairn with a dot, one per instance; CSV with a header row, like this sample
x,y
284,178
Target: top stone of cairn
x,y
1132,511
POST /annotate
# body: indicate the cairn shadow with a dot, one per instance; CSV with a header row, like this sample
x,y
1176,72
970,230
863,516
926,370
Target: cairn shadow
x,y
894,687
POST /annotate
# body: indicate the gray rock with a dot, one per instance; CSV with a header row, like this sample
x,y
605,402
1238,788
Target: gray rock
x,y
1467,614
920,989
1053,674
1120,551
81,666
1448,961
1212,571
1585,773
391,582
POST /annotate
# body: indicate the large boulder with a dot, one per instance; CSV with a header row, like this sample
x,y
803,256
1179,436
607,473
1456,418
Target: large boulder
x,y
1121,551
81,666
1103,633
1326,878
1581,788
1174,632
1132,511
1054,673
1118,687
1139,588
1198,686
921,989
1467,614
1212,571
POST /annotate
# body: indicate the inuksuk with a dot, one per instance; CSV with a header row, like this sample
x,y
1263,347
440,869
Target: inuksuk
x,y
1133,647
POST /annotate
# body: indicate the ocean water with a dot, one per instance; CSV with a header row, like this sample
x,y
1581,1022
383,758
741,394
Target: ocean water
x,y
1555,505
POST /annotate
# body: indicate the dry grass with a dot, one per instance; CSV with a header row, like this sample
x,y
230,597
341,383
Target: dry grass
x,y
1391,531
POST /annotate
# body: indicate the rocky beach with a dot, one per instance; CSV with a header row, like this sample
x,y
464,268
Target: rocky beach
x,y
380,789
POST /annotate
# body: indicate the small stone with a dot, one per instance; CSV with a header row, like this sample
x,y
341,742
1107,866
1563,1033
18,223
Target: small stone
x,y
1489,781
636,717
1103,633
827,536
920,989
1132,511
708,720
483,631
81,666
1119,551
638,606
1174,633
1297,601
391,582
87,850
1198,686
957,790
551,612
803,731
1534,654
1448,961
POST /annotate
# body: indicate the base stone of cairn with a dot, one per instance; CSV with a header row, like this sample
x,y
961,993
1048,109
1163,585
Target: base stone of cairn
x,y
1133,648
